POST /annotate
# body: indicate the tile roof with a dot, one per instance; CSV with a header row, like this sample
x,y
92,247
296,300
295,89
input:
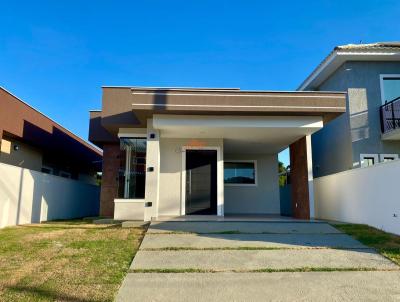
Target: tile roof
x,y
386,49
371,46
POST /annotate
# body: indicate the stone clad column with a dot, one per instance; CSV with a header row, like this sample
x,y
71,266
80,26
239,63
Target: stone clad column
x,y
301,178
152,172
109,181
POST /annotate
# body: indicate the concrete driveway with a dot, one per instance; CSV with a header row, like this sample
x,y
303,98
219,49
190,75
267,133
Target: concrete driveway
x,y
256,261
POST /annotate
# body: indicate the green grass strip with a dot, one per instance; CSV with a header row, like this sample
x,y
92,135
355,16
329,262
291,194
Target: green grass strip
x,y
388,245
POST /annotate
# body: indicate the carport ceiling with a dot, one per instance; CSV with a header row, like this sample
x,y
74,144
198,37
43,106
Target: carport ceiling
x,y
247,135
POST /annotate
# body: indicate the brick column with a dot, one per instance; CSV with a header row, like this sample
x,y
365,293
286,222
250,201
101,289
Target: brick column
x,y
299,176
109,182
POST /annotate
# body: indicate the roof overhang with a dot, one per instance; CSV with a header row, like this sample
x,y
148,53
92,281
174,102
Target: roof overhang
x,y
192,102
337,57
126,107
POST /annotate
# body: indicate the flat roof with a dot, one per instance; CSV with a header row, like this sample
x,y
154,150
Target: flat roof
x,y
132,106
205,89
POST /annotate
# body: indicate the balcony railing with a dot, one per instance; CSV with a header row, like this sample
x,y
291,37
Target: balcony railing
x,y
390,115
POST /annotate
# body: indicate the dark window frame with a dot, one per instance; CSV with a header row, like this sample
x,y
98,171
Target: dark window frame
x,y
137,168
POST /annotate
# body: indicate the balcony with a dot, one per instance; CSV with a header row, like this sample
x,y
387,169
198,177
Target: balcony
x,y
390,120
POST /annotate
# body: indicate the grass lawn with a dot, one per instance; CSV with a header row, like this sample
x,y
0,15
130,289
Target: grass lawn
x,y
65,261
386,244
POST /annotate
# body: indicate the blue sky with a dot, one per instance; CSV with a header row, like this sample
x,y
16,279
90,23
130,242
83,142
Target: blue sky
x,y
56,55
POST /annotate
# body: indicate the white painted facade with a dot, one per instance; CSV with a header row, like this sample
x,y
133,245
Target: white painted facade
x,y
366,195
172,176
129,209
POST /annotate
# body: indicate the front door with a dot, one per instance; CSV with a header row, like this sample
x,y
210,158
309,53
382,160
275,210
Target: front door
x,y
201,182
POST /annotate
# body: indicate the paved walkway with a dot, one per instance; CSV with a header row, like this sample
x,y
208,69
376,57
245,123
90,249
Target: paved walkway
x,y
256,261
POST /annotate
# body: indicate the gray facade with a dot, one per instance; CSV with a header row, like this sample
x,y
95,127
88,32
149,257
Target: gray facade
x,y
260,199
337,147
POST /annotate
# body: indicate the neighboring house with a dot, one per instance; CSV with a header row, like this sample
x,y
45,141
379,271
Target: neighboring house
x,y
369,131
31,140
184,151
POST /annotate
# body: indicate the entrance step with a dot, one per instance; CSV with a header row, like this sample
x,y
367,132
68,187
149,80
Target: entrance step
x,y
242,218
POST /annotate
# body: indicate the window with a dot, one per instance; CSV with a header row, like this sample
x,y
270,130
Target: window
x,y
388,157
385,159
240,173
132,173
368,159
390,87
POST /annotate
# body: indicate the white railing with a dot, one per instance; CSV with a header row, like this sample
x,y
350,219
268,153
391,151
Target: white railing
x,y
28,196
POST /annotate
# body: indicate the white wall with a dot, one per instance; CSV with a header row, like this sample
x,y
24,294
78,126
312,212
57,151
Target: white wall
x,y
129,209
366,195
152,189
260,199
28,196
171,172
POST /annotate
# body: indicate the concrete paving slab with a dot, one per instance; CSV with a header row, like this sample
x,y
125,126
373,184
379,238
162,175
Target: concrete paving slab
x,y
228,260
201,241
242,227
314,286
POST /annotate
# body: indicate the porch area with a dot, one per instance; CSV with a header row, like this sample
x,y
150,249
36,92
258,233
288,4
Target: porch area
x,y
215,168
